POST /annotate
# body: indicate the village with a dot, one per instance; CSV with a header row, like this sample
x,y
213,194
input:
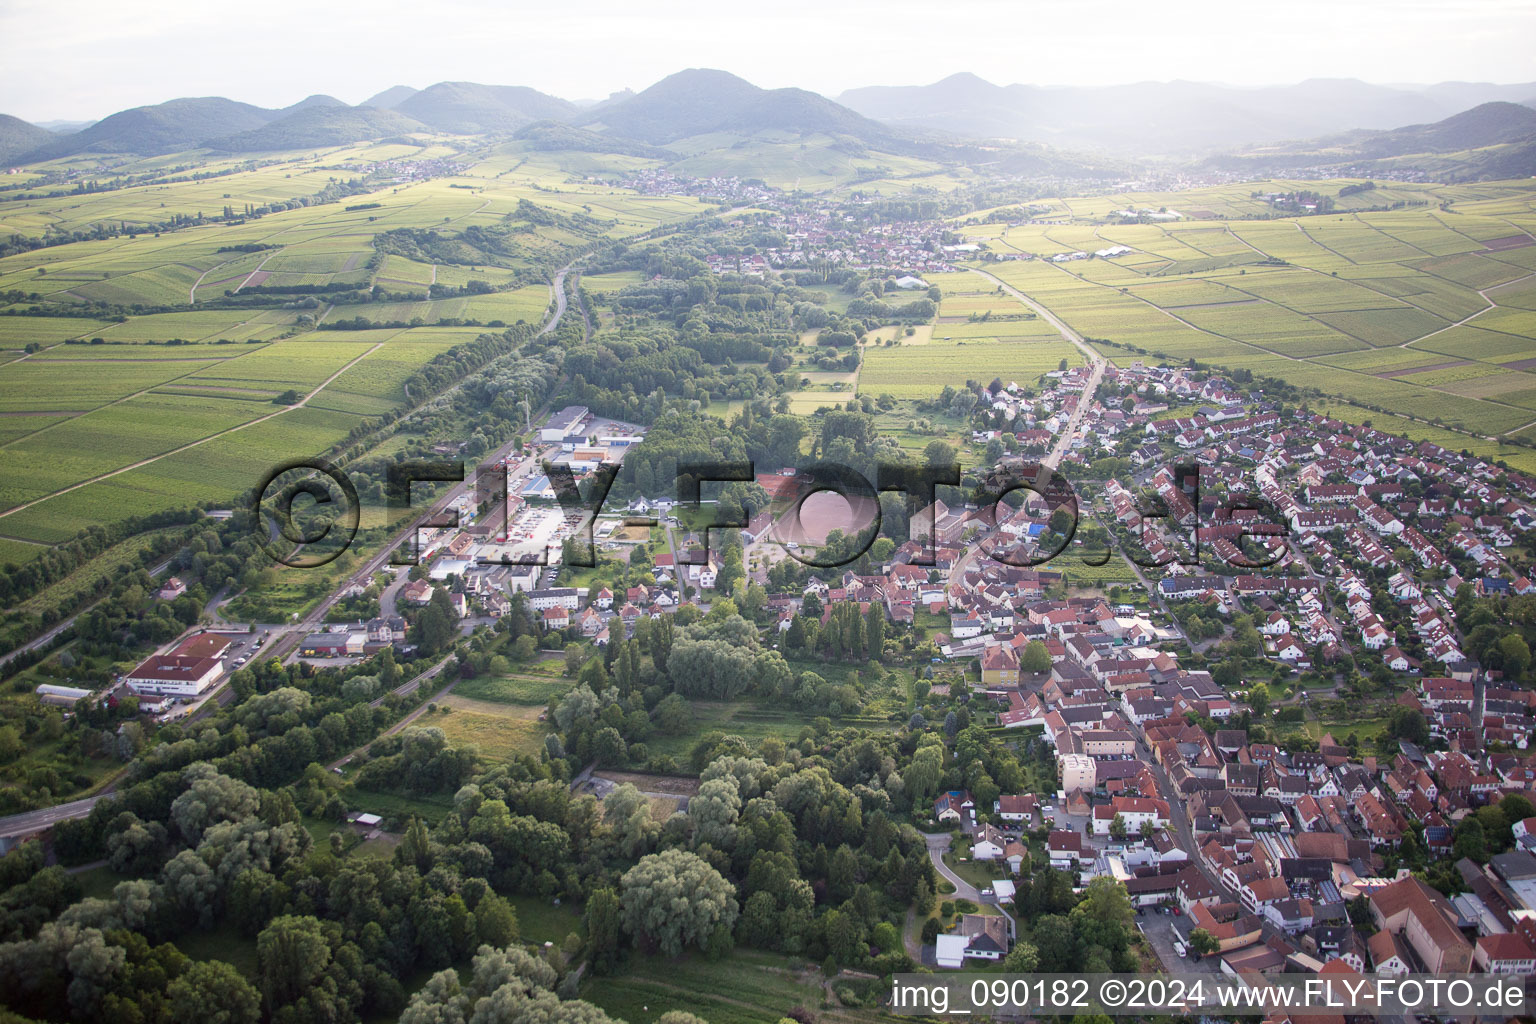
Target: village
x,y
1267,855
1240,855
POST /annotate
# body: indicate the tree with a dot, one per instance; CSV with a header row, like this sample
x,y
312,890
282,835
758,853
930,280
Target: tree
x,y
1035,658
1107,901
1203,943
1516,808
1470,840
505,985
1406,723
713,812
672,715
675,899
1517,655
1056,941
211,798
436,624
213,992
291,953
1258,699
939,453
1117,828
495,921
604,919
1023,958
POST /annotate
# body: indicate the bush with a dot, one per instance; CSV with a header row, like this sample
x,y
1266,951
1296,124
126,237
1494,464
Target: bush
x,y
947,908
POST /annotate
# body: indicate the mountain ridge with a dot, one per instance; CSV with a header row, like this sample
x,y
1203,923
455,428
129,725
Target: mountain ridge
x,y
319,126
1164,117
470,108
18,137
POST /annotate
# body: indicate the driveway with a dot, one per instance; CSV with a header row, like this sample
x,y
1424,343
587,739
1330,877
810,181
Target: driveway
x,y
938,844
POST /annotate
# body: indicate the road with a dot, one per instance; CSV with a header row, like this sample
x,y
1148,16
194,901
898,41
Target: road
x,y
48,637
938,844
404,689
30,822
286,641
1045,314
284,647
1085,401
559,286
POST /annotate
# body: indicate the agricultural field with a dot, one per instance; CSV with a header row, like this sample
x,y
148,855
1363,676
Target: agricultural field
x,y
1415,308
922,371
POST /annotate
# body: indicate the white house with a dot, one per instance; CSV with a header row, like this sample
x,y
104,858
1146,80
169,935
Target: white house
x,y
989,844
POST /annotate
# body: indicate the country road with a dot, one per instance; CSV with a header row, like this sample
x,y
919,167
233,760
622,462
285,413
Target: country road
x,y
559,287
285,646
30,822
404,689
46,638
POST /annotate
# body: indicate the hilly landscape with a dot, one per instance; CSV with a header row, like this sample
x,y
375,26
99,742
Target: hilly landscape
x,y
700,101
391,97
961,120
18,137
1492,140
161,128
1165,117
322,701
320,126
468,109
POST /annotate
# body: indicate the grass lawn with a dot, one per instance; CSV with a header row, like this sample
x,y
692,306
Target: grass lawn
x,y
398,805
1341,727
539,920
516,688
498,731
755,720
222,943
748,987
979,873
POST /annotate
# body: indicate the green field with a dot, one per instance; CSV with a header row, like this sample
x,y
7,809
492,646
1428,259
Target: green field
x,y
747,987
1361,308
515,689
922,371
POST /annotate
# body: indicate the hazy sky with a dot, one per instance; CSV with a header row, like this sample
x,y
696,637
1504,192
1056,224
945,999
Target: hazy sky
x,y
83,59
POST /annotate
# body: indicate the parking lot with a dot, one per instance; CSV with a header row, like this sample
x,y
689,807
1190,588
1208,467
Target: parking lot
x,y
1158,927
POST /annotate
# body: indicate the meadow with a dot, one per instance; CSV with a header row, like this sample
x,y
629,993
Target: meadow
x,y
922,371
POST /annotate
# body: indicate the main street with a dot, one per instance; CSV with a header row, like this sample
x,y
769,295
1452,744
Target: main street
x,y
1071,432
